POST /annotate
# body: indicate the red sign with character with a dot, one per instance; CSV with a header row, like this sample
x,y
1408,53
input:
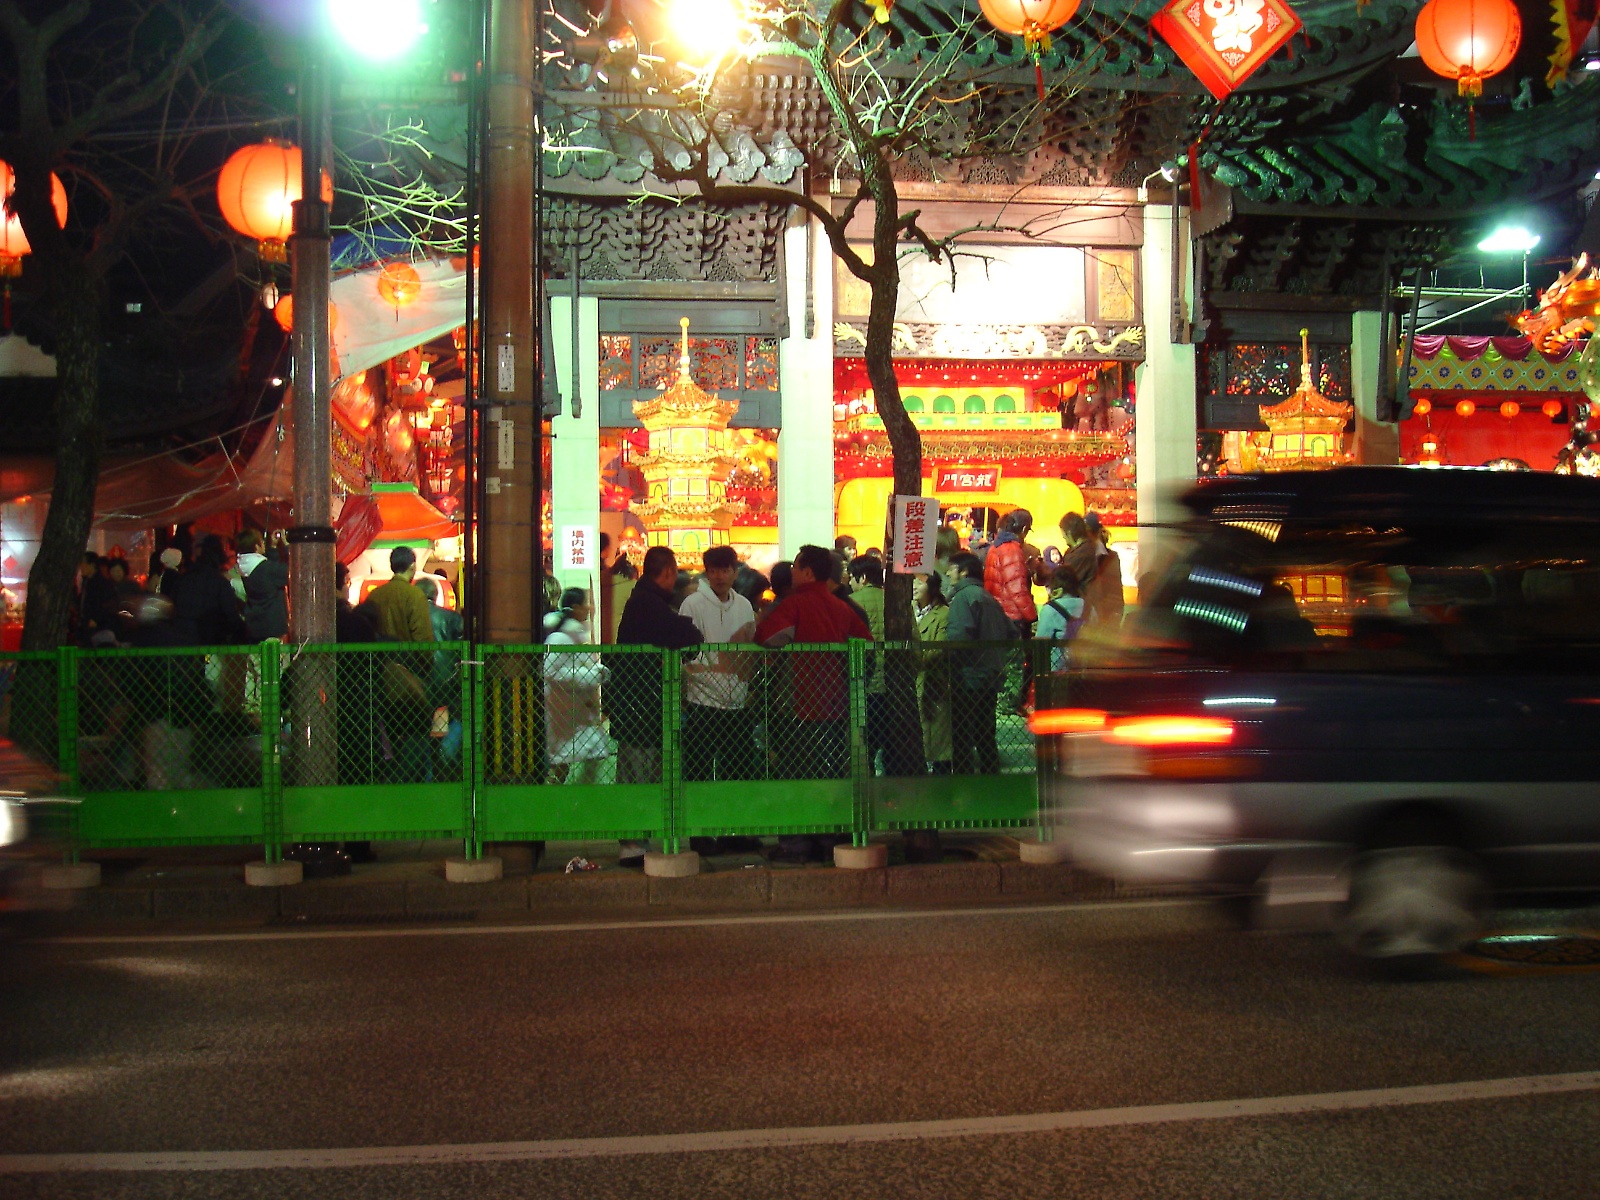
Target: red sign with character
x,y
966,479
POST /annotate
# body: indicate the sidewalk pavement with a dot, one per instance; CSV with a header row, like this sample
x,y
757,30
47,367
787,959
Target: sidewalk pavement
x,y
407,881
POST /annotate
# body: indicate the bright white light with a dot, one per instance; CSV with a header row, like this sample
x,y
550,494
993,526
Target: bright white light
x,y
707,29
378,29
1592,65
1509,239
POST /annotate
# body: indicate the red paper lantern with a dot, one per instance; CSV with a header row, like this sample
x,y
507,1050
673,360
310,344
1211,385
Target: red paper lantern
x,y
1224,41
283,314
256,190
399,284
1510,409
1032,20
1468,40
1422,407
1466,408
1552,408
13,242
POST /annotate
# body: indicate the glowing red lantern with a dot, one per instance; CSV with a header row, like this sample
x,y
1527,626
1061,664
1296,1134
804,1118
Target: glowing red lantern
x,y
1032,20
1468,40
1422,407
256,190
1466,408
283,314
1552,408
399,284
1510,409
13,242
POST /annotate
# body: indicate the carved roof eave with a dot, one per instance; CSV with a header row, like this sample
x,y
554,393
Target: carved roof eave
x,y
612,188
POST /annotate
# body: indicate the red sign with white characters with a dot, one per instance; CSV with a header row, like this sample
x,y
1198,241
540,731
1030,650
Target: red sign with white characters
x,y
1224,41
966,479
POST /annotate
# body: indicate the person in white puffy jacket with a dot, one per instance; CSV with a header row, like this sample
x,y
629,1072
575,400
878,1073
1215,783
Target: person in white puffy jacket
x,y
575,738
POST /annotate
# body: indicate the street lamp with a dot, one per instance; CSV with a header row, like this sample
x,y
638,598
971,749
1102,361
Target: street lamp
x,y
380,30
1513,239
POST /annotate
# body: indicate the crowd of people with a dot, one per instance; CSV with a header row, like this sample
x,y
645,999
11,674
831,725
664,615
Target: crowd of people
x,y
751,717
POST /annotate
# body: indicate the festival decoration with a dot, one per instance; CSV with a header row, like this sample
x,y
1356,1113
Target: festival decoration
x,y
687,468
1552,408
1422,407
13,242
1567,309
1031,20
283,314
256,191
1465,408
1468,40
1224,41
1306,431
1509,409
399,285
1573,19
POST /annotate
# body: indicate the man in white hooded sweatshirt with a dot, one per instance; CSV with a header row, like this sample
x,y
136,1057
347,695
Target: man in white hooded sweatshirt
x,y
718,734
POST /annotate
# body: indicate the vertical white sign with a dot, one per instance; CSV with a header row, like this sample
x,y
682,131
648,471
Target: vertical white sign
x,y
578,548
916,532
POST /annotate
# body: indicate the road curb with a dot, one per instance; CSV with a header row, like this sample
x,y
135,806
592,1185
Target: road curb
x,y
735,888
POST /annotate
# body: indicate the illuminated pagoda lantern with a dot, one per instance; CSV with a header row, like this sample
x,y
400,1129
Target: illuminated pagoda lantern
x,y
686,470
1306,431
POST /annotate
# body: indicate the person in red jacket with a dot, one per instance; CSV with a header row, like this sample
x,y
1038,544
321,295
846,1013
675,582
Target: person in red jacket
x,y
1008,577
819,679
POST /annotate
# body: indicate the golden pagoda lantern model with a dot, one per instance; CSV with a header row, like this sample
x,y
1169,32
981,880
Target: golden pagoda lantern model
x,y
687,469
1306,431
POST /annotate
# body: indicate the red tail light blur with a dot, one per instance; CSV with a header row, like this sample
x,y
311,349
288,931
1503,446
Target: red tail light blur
x,y
1067,720
1156,731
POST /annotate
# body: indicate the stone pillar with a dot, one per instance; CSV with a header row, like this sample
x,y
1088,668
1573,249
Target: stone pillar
x,y
1376,442
1165,388
575,442
805,381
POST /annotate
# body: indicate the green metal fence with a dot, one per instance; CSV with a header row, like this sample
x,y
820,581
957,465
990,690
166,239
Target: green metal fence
x,y
274,744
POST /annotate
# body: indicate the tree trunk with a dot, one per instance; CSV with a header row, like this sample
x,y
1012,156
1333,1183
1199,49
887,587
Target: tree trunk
x,y
75,324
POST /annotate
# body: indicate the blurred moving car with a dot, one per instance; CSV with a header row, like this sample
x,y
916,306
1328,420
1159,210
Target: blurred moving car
x,y
34,818
1373,689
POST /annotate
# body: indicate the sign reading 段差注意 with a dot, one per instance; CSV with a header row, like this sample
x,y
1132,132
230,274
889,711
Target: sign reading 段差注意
x,y
916,530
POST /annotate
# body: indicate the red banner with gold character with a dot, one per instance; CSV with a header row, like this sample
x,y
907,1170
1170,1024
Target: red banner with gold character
x,y
1224,41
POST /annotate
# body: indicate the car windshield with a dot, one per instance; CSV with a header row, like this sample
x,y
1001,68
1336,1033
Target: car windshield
x,y
1442,596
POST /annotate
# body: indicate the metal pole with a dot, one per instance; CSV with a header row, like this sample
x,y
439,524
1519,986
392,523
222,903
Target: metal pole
x,y
512,570
311,539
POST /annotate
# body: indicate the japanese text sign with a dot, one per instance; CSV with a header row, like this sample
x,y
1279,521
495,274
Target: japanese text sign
x,y
1224,41
966,479
578,548
916,531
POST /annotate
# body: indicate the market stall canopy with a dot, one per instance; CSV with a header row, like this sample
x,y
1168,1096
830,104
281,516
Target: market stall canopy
x,y
407,517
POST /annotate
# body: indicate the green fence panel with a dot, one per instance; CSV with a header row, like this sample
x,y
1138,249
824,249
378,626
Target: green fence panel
x,y
167,746
767,744
399,766
31,699
574,742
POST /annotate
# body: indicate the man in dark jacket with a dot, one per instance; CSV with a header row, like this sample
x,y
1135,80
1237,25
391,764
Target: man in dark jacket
x,y
633,695
206,608
976,673
266,587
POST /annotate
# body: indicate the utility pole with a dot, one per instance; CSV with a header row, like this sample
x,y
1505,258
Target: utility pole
x,y
311,540
512,446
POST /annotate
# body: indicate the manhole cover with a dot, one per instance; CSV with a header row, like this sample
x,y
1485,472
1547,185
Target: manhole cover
x,y
1541,949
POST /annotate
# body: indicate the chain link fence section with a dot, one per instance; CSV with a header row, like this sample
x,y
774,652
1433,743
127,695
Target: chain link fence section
x,y
30,704
168,720
398,716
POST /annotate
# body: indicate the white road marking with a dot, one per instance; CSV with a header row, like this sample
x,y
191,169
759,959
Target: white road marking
x,y
779,1139
399,931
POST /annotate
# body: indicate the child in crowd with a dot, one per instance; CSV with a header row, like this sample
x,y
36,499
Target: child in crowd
x,y
1061,616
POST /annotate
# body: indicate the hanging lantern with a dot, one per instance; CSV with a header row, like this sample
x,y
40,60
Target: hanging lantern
x,y
1422,407
1033,21
283,314
13,242
1552,408
1510,409
399,285
256,189
1466,408
1468,40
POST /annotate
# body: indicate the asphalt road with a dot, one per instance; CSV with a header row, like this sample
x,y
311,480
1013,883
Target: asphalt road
x,y
1127,1050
